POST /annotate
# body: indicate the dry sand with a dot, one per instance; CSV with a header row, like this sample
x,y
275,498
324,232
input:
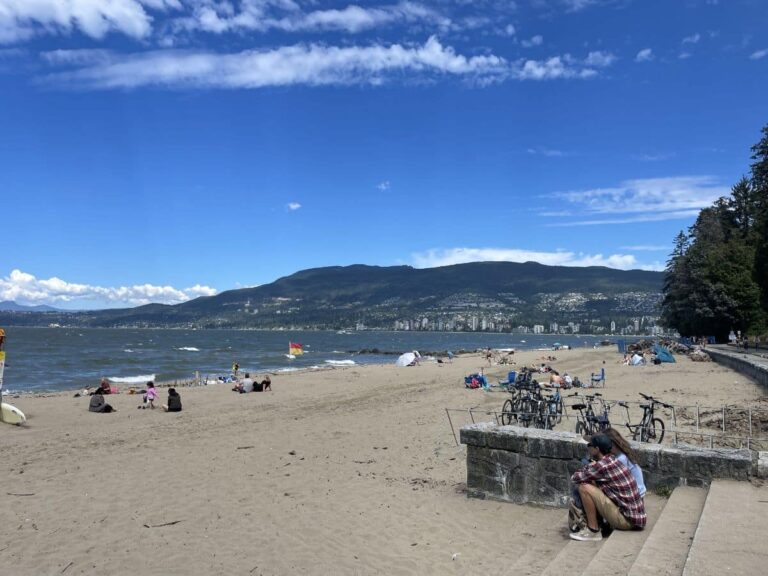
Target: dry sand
x,y
347,471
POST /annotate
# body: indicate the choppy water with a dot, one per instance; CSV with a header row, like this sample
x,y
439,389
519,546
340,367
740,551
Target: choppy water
x,y
47,359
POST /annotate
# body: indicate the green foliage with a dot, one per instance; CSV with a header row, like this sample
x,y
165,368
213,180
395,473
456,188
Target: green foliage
x,y
717,277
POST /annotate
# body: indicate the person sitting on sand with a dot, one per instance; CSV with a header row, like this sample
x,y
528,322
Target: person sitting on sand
x,y
150,395
266,384
98,404
246,384
174,401
105,387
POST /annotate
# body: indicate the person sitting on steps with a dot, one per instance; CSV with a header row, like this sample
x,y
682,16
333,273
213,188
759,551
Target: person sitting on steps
x,y
607,489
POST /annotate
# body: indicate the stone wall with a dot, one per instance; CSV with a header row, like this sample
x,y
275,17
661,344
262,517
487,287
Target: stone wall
x,y
525,465
751,366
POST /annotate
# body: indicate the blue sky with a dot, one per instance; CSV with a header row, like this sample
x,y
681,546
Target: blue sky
x,y
158,150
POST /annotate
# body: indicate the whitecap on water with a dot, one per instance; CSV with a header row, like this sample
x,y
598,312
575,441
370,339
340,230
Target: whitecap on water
x,y
340,362
189,349
140,379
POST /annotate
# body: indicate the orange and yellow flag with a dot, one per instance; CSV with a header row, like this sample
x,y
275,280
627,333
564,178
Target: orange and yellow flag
x,y
295,349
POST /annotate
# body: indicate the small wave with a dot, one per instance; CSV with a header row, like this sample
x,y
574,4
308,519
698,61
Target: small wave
x,y
340,362
288,370
140,379
189,349
128,350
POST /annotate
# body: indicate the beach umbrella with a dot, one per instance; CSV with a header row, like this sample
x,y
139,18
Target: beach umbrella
x,y
406,359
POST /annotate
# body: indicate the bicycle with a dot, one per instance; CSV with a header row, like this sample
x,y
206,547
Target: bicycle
x,y
589,422
650,428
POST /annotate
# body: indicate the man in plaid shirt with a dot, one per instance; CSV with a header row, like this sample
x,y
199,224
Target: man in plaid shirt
x,y
607,488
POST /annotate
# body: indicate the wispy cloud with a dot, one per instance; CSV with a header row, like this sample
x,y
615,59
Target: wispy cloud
x,y
311,64
25,288
534,41
645,55
385,185
548,152
23,19
560,67
288,16
642,200
293,206
449,256
692,39
657,157
759,54
306,64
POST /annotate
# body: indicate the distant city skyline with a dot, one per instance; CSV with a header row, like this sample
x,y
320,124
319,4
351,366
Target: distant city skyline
x,y
160,150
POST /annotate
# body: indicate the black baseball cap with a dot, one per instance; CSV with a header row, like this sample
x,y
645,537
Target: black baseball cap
x,y
602,443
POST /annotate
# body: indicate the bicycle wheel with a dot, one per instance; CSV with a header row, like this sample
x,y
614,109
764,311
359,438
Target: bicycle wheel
x,y
656,431
560,410
581,428
506,413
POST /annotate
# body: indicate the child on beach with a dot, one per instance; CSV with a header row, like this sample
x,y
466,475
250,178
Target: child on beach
x,y
150,395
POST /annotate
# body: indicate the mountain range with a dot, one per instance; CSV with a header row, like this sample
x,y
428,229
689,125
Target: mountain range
x,y
505,294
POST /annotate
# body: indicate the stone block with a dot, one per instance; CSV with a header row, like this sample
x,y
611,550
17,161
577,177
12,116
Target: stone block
x,y
761,468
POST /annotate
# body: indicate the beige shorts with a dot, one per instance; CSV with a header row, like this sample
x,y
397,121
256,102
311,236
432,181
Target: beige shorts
x,y
608,510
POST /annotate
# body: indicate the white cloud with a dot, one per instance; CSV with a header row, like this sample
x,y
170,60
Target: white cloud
x,y
24,288
289,65
509,30
600,59
684,55
449,256
385,185
23,19
549,152
558,67
641,200
693,39
758,54
293,206
534,41
645,55
264,15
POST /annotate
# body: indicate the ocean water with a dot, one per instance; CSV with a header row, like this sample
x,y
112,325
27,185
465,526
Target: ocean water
x,y
51,359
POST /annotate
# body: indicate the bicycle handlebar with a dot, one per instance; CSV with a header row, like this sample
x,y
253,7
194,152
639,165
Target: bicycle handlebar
x,y
655,401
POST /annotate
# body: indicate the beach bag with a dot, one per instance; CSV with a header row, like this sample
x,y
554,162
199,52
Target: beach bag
x,y
577,520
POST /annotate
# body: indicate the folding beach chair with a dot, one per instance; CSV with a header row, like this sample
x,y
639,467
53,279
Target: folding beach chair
x,y
598,379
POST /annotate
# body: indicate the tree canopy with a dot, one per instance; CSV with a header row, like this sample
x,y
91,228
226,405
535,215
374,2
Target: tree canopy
x,y
717,275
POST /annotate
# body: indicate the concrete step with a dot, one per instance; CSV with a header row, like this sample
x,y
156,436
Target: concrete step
x,y
537,555
622,547
573,556
666,547
733,524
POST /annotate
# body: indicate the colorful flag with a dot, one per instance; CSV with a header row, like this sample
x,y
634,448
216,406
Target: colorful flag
x,y
295,349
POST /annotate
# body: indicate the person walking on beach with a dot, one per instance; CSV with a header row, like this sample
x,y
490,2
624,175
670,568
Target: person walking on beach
x,y
235,370
607,489
266,384
150,395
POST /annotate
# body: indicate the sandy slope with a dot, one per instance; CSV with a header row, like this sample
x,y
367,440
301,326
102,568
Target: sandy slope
x,y
349,471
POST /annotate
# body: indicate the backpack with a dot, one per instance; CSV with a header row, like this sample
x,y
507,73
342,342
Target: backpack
x,y
577,520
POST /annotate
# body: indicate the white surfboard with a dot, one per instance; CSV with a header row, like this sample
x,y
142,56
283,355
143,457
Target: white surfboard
x,y
12,415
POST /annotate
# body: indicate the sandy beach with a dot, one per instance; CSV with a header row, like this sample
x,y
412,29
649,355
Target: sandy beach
x,y
345,471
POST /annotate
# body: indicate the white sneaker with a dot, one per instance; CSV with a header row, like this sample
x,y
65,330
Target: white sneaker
x,y
586,535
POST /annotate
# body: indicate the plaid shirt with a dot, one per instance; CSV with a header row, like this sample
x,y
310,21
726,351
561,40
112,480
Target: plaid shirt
x,y
616,482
